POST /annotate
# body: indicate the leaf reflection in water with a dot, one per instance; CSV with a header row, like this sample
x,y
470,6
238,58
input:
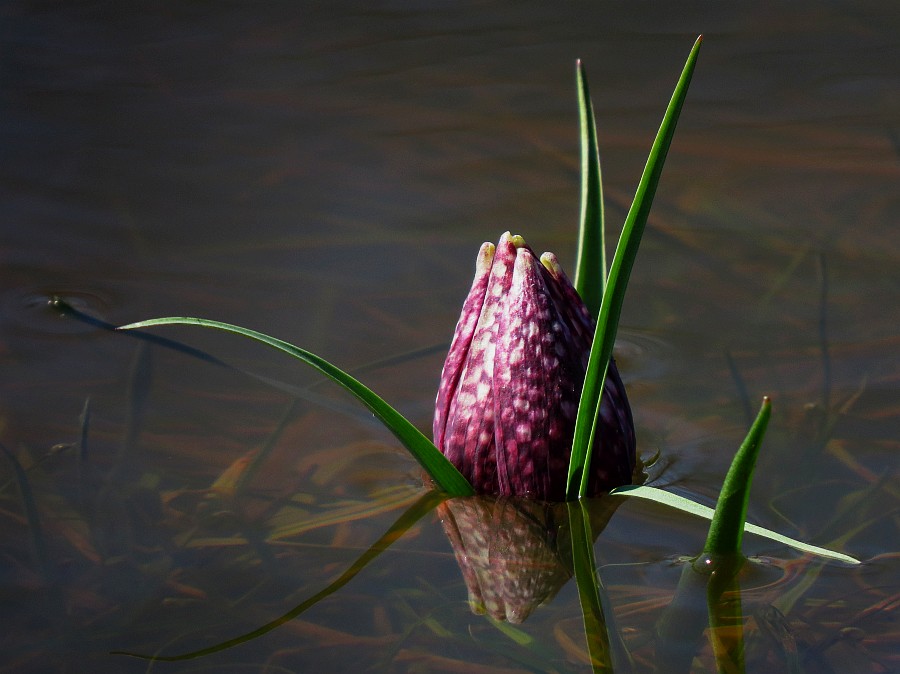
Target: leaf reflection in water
x,y
423,505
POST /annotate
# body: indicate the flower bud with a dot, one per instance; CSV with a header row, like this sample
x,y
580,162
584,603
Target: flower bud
x,y
509,391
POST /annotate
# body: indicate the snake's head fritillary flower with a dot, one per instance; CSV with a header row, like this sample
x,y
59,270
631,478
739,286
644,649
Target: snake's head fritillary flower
x,y
509,391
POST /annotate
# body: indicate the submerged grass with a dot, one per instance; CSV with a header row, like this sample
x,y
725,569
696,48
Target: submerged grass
x,y
38,540
424,505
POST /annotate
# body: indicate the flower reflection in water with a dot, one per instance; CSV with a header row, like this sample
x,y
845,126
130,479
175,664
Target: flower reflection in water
x,y
514,553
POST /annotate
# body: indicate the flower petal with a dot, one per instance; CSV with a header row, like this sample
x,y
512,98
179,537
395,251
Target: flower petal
x,y
468,440
462,340
613,458
574,311
538,372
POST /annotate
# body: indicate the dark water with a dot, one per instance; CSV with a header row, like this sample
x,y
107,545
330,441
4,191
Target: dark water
x,y
326,175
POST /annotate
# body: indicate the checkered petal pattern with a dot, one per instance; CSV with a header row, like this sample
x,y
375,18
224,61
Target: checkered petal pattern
x,y
509,391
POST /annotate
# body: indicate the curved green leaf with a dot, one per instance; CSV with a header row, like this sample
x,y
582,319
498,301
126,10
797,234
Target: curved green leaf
x,y
423,450
727,528
590,260
614,294
693,508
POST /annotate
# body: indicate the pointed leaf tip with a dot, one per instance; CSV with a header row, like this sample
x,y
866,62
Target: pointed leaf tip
x,y
590,266
727,527
610,306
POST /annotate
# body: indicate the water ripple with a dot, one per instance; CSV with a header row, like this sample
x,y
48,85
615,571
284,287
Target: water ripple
x,y
32,310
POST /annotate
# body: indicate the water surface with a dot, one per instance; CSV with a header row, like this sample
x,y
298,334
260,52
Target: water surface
x,y
326,175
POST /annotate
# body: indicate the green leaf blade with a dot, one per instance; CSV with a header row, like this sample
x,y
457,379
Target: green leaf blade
x,y
727,527
444,473
590,265
693,508
606,652
614,293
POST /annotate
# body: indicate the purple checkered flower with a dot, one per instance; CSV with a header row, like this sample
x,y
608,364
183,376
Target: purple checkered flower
x,y
506,406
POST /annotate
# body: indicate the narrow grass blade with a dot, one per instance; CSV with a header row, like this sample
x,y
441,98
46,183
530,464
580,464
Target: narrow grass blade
x,y
258,457
82,455
588,591
514,634
140,381
417,511
31,514
517,646
590,264
605,650
286,525
423,450
693,508
614,293
84,422
727,528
